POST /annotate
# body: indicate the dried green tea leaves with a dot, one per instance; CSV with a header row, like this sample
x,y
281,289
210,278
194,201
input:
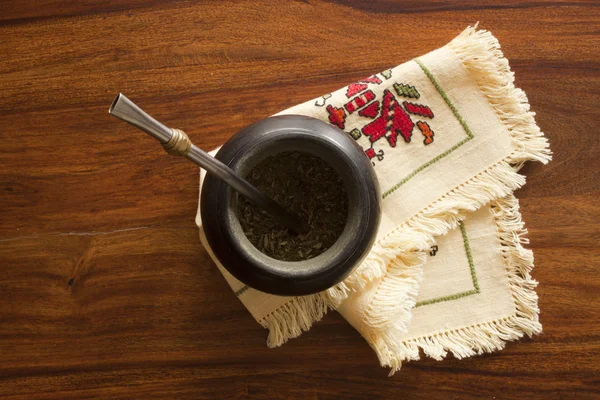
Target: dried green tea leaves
x,y
306,186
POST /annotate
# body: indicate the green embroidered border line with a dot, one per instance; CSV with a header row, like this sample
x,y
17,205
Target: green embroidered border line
x,y
445,97
241,291
450,150
457,296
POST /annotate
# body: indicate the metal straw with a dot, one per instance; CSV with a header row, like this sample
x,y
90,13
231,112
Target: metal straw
x,y
176,142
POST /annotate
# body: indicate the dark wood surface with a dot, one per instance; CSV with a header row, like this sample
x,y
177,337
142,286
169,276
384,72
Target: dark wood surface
x,y
105,290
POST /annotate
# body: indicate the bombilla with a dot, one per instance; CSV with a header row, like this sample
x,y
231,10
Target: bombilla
x,y
176,142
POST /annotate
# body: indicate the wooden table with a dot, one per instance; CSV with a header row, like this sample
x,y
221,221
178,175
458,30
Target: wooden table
x,y
105,290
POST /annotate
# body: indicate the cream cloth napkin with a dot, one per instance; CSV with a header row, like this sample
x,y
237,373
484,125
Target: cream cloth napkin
x,y
446,133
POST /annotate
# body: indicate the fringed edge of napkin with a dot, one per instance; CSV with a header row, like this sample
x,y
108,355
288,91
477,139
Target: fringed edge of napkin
x,y
490,336
294,317
480,53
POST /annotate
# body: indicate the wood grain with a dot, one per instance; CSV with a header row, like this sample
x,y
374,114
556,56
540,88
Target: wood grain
x,y
105,290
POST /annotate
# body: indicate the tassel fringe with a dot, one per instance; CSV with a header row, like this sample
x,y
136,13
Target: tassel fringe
x,y
480,52
295,317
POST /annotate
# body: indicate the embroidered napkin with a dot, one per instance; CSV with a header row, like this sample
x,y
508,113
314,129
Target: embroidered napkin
x,y
446,133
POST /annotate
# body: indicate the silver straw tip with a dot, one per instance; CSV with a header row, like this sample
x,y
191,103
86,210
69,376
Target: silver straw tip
x,y
114,103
